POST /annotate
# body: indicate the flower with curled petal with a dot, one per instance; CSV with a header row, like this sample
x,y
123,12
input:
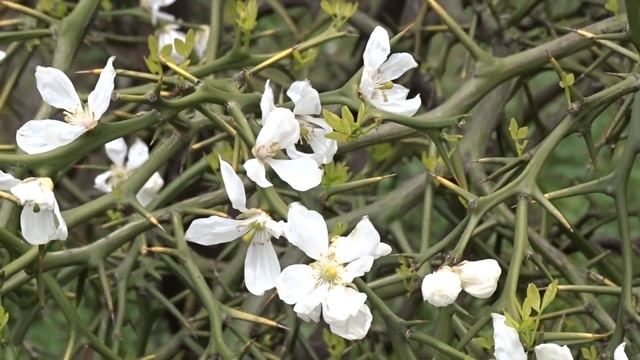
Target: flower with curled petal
x,y
324,286
280,131
38,136
380,69
40,220
261,265
313,128
137,155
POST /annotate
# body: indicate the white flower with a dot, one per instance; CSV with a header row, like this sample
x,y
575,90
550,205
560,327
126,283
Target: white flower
x,y
201,40
261,265
477,278
166,36
153,7
40,220
138,154
441,288
2,55
376,86
324,286
280,131
312,128
508,346
38,136
506,340
619,354
553,352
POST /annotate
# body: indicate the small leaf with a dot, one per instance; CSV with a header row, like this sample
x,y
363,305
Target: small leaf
x,y
180,46
335,173
510,321
347,117
534,295
613,6
335,122
513,128
337,136
522,133
166,50
549,294
361,114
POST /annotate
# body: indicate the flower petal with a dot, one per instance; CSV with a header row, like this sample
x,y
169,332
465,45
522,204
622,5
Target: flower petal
x,y
553,352
341,302
323,148
619,353
216,230
305,98
479,278
257,173
56,89
362,241
377,49
441,288
395,66
100,97
35,190
138,154
116,151
101,182
201,40
301,174
355,327
261,266
267,102
310,306
395,101
357,268
307,230
233,186
150,189
506,340
7,181
382,250
39,136
40,227
295,282
280,127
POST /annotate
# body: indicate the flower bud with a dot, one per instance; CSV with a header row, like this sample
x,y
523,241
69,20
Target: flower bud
x,y
441,288
553,352
479,278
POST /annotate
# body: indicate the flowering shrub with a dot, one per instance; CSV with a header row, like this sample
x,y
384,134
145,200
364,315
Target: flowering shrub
x,y
313,179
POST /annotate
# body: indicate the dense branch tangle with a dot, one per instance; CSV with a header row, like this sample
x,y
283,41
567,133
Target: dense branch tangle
x,y
467,207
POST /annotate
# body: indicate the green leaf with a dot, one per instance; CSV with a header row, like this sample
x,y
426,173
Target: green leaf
x,y
152,41
381,152
513,128
335,173
166,51
613,6
335,344
347,117
567,80
337,123
362,110
534,295
522,133
337,136
510,321
549,294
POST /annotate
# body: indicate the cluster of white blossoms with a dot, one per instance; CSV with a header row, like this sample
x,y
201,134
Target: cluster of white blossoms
x,y
508,346
323,287
477,278
137,155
